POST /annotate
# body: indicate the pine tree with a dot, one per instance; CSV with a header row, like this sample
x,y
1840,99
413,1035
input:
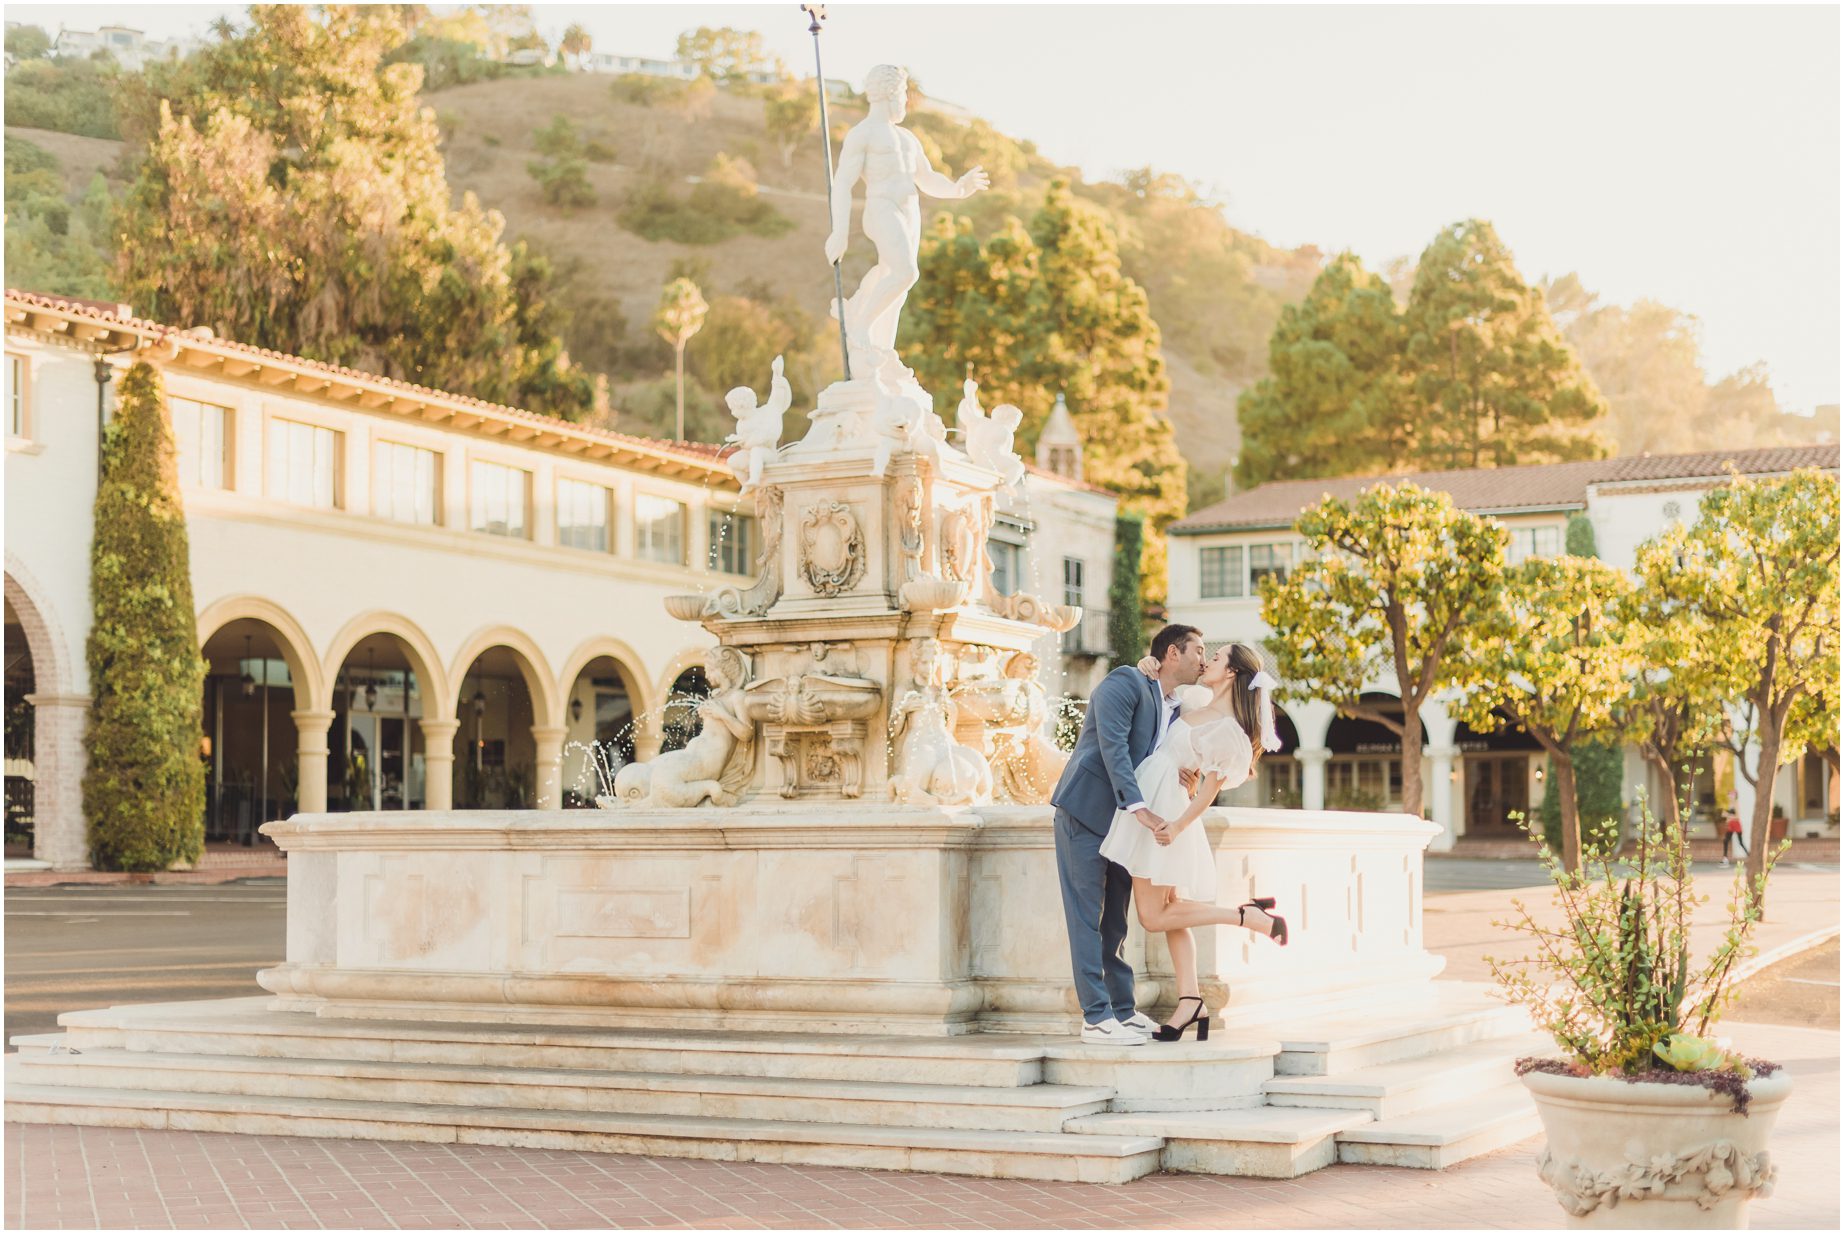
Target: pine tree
x,y
293,195
1031,313
1334,402
1497,384
144,787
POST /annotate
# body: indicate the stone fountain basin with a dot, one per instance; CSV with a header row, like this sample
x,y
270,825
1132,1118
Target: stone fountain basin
x,y
856,917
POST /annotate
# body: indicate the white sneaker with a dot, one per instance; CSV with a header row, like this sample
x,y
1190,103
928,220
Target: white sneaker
x,y
1139,1023
1111,1032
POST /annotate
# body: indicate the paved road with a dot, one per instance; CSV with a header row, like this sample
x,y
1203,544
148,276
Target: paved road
x,y
73,947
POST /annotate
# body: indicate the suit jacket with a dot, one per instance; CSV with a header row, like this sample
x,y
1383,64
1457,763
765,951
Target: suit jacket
x,y
1120,729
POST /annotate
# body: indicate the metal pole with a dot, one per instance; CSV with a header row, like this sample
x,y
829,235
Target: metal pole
x,y
250,839
818,13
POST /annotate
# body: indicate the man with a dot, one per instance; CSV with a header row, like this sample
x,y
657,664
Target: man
x,y
1127,716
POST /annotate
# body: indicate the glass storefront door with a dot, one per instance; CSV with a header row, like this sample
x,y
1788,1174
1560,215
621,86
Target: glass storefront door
x,y
1497,786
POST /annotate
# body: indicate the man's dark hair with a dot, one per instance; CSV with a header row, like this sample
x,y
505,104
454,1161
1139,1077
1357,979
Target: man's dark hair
x,y
1170,637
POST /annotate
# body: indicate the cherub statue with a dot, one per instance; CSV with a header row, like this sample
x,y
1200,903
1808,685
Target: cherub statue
x,y
714,766
895,171
1025,759
904,420
988,438
931,767
758,428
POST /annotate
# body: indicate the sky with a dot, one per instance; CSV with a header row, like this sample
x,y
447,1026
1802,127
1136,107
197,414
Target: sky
x,y
1684,154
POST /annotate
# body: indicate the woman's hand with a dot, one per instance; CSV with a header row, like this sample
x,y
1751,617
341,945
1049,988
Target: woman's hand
x,y
1149,666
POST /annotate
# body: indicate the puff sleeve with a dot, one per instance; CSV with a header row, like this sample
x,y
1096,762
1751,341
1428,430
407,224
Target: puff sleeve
x,y
1222,747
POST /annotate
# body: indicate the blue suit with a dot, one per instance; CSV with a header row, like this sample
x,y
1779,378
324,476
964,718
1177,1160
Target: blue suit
x,y
1121,727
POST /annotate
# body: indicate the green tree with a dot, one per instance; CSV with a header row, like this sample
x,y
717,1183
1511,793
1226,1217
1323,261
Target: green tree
x,y
1392,588
1760,564
563,173
1334,402
1031,314
1497,383
144,786
742,336
576,43
293,196
792,115
727,54
679,315
27,43
1673,710
1555,657
53,245
1126,617
64,96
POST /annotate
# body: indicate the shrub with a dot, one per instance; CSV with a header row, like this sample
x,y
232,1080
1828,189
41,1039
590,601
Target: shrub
x,y
1614,985
598,151
447,62
1126,622
65,96
563,181
144,787
644,90
653,213
1600,769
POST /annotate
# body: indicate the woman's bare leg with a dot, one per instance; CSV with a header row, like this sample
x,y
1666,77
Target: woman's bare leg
x,y
1184,972
1160,914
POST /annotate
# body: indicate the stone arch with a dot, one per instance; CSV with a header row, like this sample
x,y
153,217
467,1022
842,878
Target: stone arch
x,y
626,657
438,704
52,658
687,657
539,683
311,693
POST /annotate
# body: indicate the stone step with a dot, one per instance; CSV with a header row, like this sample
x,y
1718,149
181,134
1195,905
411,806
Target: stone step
x,y
1389,1089
1036,1107
986,1154
1443,1135
1267,1142
1421,1029
1223,1073
246,1026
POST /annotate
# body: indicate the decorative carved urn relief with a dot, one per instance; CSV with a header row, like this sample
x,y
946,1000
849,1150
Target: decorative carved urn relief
x,y
832,552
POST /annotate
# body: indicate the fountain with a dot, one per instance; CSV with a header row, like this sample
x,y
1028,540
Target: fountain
x,y
854,851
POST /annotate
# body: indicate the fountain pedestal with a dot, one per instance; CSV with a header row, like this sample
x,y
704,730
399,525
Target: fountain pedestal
x,y
804,918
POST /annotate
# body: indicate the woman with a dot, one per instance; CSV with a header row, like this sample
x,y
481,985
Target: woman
x,y
1174,871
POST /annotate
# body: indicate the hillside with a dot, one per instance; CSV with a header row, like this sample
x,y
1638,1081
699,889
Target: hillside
x,y
1215,292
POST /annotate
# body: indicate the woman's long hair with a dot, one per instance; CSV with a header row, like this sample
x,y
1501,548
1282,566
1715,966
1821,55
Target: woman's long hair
x,y
1244,703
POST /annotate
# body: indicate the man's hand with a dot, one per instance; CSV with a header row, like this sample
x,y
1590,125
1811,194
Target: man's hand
x,y
1164,833
1188,778
1152,822
835,246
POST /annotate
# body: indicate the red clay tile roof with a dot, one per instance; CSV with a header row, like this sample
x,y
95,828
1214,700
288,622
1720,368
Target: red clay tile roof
x,y
1500,490
103,312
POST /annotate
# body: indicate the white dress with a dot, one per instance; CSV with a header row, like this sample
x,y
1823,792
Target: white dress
x,y
1218,744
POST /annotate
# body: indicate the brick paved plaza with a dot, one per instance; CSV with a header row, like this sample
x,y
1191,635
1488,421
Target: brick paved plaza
x,y
90,1177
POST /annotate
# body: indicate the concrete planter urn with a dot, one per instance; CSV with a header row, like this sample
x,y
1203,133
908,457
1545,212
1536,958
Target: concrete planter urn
x,y
1651,1156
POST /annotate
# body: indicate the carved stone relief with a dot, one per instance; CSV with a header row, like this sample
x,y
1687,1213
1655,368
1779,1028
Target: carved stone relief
x,y
832,553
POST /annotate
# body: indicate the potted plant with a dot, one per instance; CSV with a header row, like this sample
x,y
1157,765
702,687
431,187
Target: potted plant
x,y
1650,1123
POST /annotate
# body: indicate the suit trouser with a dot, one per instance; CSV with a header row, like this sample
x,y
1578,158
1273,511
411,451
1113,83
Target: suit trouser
x,y
1095,896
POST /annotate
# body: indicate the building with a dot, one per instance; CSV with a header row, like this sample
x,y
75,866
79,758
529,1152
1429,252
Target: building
x,y
1474,781
130,48
408,598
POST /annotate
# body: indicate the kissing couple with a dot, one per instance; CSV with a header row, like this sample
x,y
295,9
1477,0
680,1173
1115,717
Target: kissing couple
x,y
1160,741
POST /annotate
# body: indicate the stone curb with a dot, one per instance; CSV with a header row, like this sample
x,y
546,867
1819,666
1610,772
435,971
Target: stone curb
x,y
1785,951
166,878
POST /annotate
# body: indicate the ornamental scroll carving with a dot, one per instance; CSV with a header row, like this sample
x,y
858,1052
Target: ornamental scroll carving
x,y
832,554
1707,1175
754,600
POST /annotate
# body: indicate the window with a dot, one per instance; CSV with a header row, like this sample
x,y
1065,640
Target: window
x,y
1072,581
1266,559
1062,460
406,483
18,372
304,464
734,544
1528,542
659,529
1007,566
1220,573
498,498
582,515
202,432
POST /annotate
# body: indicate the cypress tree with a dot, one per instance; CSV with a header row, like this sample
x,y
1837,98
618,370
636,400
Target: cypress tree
x,y
1126,618
144,788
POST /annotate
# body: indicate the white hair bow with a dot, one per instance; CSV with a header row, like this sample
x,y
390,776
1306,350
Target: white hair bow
x,y
1264,681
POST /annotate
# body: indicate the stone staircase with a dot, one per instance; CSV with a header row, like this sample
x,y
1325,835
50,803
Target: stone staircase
x,y
1425,1082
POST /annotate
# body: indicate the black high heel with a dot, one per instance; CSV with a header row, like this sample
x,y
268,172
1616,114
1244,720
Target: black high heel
x,y
1278,932
1200,1018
